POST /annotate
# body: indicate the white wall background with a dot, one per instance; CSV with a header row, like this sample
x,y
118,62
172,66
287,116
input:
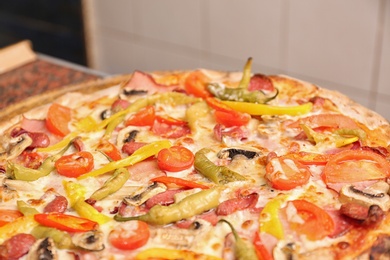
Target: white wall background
x,y
342,45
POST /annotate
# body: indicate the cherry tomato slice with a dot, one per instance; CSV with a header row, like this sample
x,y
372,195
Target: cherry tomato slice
x,y
144,117
316,223
65,222
196,84
175,158
58,118
74,165
110,150
129,235
286,173
225,115
8,215
355,166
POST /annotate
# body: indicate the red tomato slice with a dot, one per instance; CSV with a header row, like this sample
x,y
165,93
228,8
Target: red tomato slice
x,y
196,84
65,222
170,120
355,166
179,182
316,224
261,250
110,150
8,215
226,116
231,119
75,164
58,118
144,117
285,173
129,235
175,159
310,158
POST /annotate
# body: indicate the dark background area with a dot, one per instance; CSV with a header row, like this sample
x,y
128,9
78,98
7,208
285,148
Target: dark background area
x,y
55,27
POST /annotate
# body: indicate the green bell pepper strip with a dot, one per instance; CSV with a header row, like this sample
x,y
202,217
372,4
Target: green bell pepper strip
x,y
139,155
239,94
269,218
19,172
217,174
113,184
25,208
76,195
246,75
190,206
61,239
262,109
244,250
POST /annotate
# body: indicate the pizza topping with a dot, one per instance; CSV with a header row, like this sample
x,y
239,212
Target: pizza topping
x,y
261,82
219,174
8,215
269,218
139,196
188,207
92,240
16,145
19,172
75,164
376,193
112,184
58,118
284,173
316,223
179,182
65,222
196,84
129,236
175,159
43,249
163,198
144,82
59,204
355,166
262,109
232,152
243,249
16,246
367,216
232,205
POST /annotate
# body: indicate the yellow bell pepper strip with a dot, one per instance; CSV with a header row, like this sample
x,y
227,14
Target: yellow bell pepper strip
x,y
61,239
263,109
190,206
139,155
113,184
61,144
86,124
246,75
19,172
243,249
112,125
217,173
20,225
25,208
172,254
269,218
76,195
336,137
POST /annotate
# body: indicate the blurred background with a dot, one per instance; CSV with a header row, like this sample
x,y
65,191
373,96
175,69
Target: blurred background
x,y
340,45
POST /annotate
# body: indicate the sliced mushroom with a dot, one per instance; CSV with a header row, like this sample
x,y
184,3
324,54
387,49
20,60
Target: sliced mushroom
x,y
91,240
14,146
143,194
43,249
285,251
130,136
376,194
232,152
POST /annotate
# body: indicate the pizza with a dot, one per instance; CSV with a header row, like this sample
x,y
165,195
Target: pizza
x,y
196,164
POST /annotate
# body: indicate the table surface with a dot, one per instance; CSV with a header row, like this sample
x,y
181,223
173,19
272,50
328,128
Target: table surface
x,y
44,74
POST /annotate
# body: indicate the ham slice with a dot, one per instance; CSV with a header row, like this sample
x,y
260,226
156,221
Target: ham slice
x,y
144,82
